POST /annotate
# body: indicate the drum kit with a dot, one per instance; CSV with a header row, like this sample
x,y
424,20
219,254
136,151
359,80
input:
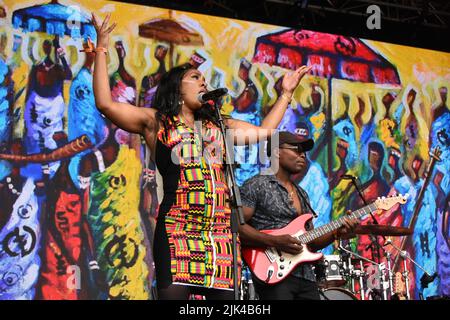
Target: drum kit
x,y
350,276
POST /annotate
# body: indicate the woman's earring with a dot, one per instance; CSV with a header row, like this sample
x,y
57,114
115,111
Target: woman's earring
x,y
181,102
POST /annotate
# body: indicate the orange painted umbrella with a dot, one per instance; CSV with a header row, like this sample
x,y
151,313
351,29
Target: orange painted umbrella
x,y
170,31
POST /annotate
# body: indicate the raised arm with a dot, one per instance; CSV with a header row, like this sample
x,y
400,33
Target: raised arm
x,y
126,116
248,133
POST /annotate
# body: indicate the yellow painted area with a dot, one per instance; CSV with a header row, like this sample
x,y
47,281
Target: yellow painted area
x,y
114,214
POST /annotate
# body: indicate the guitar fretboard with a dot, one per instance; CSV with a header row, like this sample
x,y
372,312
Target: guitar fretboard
x,y
334,225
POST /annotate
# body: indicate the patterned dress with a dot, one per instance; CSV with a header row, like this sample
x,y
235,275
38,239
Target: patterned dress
x,y
193,240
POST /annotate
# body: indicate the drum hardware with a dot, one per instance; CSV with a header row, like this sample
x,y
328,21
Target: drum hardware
x,y
247,290
405,275
359,275
331,272
381,268
383,286
391,274
405,256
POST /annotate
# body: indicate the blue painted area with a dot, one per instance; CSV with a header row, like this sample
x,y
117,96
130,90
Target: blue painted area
x,y
5,117
345,130
19,254
247,157
443,251
424,235
315,184
83,117
55,19
440,137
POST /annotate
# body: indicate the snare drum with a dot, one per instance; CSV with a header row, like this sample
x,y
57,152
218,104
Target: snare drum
x,y
337,294
332,274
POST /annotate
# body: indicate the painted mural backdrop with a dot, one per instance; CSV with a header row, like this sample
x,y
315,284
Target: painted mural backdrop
x,y
79,196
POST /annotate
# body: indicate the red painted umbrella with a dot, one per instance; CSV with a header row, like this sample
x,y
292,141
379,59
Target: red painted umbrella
x,y
332,56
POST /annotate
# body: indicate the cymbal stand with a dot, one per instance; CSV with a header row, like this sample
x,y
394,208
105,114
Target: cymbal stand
x,y
381,268
391,274
405,273
360,274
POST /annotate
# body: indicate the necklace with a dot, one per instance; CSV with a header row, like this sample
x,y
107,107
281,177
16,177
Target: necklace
x,y
291,195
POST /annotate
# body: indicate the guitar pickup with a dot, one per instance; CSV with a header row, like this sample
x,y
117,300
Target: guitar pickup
x,y
270,254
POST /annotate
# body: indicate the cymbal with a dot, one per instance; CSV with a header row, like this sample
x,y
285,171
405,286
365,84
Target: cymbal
x,y
382,230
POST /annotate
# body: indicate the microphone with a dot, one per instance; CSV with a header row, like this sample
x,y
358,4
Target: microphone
x,y
348,177
213,95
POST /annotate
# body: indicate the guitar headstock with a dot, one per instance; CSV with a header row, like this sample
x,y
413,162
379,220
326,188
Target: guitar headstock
x,y
386,203
399,286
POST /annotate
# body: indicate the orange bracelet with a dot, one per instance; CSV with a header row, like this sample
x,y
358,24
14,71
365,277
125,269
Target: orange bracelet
x,y
101,49
98,49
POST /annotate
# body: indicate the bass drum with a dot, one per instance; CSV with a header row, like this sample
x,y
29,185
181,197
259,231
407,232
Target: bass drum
x,y
336,294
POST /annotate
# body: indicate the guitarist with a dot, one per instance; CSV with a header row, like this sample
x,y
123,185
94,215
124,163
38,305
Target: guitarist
x,y
272,202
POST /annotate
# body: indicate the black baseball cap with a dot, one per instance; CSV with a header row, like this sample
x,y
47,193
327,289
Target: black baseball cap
x,y
304,144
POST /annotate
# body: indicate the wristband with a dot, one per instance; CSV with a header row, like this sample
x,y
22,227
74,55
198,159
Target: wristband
x,y
285,96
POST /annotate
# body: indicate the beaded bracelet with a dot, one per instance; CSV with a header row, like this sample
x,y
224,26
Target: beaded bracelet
x,y
92,49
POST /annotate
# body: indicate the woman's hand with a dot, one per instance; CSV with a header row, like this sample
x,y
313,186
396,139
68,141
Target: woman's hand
x,y
292,79
103,30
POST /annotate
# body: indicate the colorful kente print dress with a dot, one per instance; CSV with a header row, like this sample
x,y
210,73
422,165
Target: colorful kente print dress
x,y
193,240
117,229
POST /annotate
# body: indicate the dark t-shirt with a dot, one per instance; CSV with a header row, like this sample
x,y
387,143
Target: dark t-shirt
x,y
269,198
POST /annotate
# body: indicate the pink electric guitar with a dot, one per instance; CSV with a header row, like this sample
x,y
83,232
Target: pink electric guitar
x,y
271,265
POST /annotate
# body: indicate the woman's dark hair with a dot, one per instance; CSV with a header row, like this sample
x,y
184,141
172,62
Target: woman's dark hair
x,y
168,96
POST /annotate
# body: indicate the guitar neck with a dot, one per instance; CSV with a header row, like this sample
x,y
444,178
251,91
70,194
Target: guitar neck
x,y
334,225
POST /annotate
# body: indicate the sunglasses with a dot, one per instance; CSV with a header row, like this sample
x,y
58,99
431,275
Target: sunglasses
x,y
297,148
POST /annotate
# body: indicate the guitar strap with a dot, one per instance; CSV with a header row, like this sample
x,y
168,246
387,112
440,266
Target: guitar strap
x,y
305,200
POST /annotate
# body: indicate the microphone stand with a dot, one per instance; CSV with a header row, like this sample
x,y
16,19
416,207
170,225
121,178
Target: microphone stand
x,y
374,238
237,215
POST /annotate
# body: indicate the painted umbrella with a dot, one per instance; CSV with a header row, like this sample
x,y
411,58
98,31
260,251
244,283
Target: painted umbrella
x,y
331,56
170,31
55,19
